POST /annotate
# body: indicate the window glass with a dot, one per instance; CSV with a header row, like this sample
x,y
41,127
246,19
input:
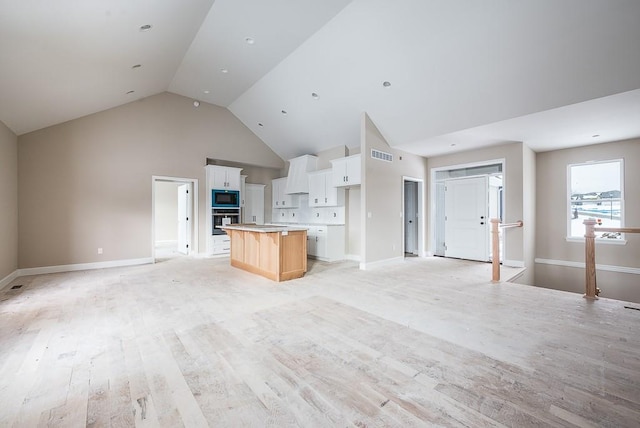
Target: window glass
x,y
595,191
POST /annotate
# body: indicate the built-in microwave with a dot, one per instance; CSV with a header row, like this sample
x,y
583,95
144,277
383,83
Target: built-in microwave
x,y
225,198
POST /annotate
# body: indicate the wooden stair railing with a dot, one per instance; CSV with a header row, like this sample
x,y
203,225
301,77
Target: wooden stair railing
x,y
495,245
591,289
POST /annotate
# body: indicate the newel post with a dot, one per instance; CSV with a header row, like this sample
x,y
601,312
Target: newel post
x,y
590,259
495,250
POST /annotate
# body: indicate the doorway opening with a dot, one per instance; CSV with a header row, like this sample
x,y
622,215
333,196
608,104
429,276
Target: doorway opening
x,y
413,217
174,217
464,199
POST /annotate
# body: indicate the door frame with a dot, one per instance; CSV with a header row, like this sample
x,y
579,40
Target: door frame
x,y
420,217
433,195
194,210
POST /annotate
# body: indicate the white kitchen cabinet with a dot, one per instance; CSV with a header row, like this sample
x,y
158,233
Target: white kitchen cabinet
x,y
279,196
322,192
221,244
326,242
346,171
224,177
254,203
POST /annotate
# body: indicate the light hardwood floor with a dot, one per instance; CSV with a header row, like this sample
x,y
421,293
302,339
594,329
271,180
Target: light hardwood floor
x,y
424,342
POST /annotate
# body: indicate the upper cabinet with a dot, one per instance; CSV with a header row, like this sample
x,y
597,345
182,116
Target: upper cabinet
x,y
322,192
254,203
297,179
346,171
225,177
279,195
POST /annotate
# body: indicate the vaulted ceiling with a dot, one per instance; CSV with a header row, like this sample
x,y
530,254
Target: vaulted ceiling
x,y
460,74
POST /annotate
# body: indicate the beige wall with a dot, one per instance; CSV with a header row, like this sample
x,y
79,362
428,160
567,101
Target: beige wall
x,y
512,153
87,183
552,222
382,189
9,198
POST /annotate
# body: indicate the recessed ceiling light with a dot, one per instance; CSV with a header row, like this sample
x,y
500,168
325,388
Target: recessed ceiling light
x,y
260,124
224,70
283,112
130,92
595,135
249,41
315,96
386,83
136,66
145,27
206,92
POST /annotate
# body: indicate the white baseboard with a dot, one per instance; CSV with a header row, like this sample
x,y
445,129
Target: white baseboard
x,y
367,266
513,263
581,265
352,257
83,266
7,279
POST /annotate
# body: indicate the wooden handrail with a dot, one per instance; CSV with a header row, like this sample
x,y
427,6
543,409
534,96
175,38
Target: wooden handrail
x,y
617,229
495,245
591,289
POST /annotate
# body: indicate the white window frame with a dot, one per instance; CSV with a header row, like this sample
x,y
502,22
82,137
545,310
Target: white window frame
x,y
569,238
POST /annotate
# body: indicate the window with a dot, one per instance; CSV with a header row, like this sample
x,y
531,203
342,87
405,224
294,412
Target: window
x,y
595,191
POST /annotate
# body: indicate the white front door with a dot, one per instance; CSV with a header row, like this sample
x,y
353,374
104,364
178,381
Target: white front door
x,y
184,218
466,222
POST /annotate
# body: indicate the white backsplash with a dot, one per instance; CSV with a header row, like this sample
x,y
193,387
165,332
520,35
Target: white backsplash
x,y
308,215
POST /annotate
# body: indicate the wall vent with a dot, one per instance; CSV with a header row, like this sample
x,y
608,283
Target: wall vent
x,y
383,156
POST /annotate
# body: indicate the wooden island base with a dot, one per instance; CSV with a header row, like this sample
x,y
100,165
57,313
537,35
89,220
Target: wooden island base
x,y
277,253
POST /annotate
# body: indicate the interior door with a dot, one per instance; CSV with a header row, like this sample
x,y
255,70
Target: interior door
x,y
184,218
410,217
466,222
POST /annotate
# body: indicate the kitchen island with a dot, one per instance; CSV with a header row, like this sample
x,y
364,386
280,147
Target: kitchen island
x,y
275,252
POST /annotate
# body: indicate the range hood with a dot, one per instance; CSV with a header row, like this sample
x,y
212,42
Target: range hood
x,y
298,178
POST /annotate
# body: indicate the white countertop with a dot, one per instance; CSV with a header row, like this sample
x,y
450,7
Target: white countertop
x,y
263,228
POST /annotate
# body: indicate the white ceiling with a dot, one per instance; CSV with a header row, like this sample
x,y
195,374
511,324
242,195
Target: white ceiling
x,y
463,74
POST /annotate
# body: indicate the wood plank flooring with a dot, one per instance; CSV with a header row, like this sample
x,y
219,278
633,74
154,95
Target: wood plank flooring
x,y
424,342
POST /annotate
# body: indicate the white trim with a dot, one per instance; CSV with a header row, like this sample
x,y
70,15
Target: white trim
x,y
421,214
568,194
384,262
7,279
432,194
597,240
195,244
580,265
84,266
513,263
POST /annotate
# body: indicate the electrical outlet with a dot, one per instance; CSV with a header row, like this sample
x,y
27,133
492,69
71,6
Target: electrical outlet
x,y
99,250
